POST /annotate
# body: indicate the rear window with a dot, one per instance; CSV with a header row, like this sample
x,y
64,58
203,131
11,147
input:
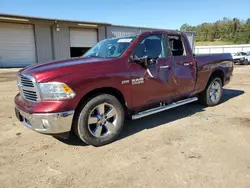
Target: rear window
x,y
176,45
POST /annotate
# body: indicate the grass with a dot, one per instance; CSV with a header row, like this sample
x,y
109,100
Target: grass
x,y
213,43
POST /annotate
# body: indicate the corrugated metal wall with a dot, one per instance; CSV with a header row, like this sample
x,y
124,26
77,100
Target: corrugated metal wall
x,y
101,33
117,31
55,44
61,42
52,44
43,43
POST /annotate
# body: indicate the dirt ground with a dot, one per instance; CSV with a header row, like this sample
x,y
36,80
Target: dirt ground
x,y
190,146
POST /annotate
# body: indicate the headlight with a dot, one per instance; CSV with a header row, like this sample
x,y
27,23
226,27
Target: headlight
x,y
242,58
55,91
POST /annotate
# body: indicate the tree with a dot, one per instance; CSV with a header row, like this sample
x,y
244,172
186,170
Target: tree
x,y
233,30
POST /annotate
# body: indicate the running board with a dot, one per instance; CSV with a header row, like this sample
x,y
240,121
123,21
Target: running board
x,y
163,108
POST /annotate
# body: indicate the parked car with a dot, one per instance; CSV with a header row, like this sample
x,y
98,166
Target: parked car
x,y
241,58
132,77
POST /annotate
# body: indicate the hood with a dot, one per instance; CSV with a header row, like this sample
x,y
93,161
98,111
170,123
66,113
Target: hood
x,y
43,72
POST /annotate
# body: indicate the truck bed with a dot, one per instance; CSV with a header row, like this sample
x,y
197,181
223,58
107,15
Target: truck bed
x,y
206,59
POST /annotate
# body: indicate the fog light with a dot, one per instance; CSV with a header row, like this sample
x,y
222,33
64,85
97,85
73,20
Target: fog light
x,y
45,123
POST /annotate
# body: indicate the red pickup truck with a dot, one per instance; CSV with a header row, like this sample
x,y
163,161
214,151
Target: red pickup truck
x,y
131,76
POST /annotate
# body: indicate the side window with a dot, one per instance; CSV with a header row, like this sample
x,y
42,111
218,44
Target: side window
x,y
176,45
152,46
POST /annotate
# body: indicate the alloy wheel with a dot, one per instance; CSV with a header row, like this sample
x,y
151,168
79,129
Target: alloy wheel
x,y
102,120
215,92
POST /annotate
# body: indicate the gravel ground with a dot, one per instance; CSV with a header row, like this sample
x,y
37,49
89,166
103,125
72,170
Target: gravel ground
x,y
190,146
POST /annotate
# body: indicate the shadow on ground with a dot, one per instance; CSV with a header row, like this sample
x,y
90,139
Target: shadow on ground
x,y
133,127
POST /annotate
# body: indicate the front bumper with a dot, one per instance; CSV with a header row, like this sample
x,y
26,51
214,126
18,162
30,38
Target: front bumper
x,y
47,123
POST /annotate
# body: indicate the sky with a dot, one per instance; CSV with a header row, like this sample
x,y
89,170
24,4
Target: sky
x,y
163,14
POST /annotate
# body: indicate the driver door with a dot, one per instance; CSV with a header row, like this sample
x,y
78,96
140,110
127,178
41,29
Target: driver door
x,y
150,84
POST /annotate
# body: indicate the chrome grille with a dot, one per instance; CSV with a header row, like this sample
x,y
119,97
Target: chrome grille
x,y
28,88
26,82
31,95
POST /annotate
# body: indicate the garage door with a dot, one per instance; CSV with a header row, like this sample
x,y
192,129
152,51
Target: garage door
x,y
17,45
83,37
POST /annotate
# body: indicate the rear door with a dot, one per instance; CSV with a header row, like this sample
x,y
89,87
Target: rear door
x,y
184,67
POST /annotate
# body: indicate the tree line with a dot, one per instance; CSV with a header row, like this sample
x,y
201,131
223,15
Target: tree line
x,y
231,30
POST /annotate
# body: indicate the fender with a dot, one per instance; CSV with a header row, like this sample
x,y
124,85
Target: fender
x,y
206,71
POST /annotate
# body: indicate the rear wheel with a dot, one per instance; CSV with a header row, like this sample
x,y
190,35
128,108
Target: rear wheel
x,y
245,62
211,96
100,120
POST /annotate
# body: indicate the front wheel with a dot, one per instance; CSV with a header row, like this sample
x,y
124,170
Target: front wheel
x,y
100,120
211,96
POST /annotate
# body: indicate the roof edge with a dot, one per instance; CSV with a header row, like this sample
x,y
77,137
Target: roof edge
x,y
51,19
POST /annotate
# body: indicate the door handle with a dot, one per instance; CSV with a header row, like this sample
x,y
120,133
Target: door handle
x,y
186,64
164,67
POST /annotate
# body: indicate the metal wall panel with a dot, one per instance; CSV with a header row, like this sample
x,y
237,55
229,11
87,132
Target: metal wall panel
x,y
222,49
145,29
43,43
101,33
17,45
118,31
83,37
60,41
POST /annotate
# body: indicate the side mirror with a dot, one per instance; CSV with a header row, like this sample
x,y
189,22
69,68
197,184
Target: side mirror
x,y
144,61
141,61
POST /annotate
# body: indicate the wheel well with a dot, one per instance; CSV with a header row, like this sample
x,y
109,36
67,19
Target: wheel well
x,y
218,73
105,90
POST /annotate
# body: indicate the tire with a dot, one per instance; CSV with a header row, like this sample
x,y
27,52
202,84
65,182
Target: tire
x,y
100,120
245,62
211,96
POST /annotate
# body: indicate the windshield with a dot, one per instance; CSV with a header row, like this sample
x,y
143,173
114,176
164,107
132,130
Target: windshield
x,y
110,48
